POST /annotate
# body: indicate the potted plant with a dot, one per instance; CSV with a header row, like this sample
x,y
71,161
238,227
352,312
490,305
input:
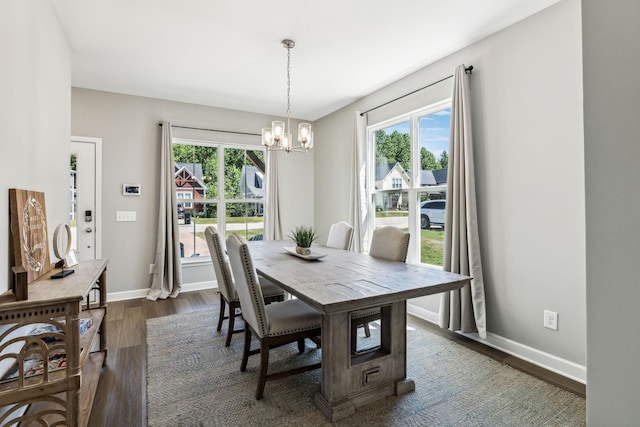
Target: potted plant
x,y
303,236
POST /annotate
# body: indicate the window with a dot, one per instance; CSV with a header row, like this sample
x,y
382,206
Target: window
x,y
408,171
184,195
216,184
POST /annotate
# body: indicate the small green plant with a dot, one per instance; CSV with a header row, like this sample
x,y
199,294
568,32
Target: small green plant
x,y
303,236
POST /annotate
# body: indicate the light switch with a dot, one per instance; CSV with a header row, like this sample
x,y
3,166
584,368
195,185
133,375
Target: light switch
x,y
128,216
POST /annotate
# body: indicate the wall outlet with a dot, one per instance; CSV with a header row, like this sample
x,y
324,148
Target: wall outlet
x,y
151,267
551,320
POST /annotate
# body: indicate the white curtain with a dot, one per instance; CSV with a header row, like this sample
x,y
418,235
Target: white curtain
x,y
464,309
167,274
272,222
359,209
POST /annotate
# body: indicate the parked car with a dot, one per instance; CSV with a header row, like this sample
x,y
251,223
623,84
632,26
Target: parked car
x,y
432,213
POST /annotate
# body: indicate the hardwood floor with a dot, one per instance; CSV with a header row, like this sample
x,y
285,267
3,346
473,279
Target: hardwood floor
x,y
121,396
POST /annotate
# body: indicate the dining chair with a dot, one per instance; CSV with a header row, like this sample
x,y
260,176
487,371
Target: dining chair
x,y
389,243
226,287
274,325
340,236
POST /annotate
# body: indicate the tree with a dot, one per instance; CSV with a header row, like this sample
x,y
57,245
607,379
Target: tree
x,y
444,160
428,160
394,148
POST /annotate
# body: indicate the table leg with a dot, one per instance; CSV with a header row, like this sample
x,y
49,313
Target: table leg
x,y
349,382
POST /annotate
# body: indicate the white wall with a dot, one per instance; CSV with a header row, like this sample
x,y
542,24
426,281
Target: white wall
x,y
128,126
35,98
527,116
611,38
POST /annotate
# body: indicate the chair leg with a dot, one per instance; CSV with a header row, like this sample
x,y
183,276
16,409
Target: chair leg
x,y
245,351
367,331
354,335
222,308
301,346
264,364
232,320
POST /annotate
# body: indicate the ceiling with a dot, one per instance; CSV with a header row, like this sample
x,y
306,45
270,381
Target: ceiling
x,y
228,53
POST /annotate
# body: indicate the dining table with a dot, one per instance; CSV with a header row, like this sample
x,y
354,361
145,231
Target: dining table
x,y
338,283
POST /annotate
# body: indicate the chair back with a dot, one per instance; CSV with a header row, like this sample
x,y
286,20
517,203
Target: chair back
x,y
220,263
340,236
389,243
247,285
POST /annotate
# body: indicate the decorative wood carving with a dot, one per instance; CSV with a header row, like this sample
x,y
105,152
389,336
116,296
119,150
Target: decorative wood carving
x,y
30,242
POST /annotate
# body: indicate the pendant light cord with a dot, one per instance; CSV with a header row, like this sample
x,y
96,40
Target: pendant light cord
x,y
289,89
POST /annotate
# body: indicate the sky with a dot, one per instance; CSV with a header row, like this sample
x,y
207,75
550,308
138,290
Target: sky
x,y
434,131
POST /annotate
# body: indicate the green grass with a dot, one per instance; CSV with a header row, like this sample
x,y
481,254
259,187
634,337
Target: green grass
x,y
249,233
229,220
388,214
432,244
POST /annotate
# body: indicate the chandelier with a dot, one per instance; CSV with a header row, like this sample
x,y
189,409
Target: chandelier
x,y
278,136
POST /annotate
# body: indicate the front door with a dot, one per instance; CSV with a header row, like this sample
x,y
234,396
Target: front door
x,y
85,197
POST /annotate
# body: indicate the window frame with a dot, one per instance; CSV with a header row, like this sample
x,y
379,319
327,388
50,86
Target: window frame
x,y
413,190
220,201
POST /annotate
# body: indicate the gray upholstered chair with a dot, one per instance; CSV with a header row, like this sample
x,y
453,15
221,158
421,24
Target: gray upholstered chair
x,y
274,325
390,243
340,236
226,288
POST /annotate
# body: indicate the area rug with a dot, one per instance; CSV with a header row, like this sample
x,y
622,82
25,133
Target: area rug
x,y
194,380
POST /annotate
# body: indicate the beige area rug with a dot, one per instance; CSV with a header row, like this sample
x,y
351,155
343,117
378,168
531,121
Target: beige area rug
x,y
194,380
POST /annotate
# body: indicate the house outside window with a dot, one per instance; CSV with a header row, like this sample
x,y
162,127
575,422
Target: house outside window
x,y
216,185
408,167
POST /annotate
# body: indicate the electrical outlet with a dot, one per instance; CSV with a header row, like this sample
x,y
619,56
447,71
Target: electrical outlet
x,y
551,320
151,267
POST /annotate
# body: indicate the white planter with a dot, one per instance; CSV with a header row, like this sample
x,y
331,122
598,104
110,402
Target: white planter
x,y
303,251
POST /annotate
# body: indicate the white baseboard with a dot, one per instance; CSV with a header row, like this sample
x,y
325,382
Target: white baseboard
x,y
548,361
142,293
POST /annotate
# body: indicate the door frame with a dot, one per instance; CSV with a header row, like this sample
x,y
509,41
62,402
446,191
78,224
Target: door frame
x,y
97,142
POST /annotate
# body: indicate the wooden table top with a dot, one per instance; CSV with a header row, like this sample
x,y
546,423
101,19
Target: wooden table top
x,y
346,281
72,287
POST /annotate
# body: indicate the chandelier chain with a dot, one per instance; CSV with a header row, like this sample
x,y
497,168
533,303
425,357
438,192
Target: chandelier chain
x,y
289,88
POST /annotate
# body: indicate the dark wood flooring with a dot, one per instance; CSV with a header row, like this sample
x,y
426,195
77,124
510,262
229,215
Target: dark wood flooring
x,y
121,397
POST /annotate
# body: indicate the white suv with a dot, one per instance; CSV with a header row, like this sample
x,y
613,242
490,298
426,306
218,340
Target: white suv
x,y
432,213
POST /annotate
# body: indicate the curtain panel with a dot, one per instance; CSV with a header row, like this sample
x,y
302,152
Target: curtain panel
x,y
463,309
272,221
359,207
167,273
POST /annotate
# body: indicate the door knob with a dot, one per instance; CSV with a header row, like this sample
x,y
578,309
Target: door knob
x,y
88,229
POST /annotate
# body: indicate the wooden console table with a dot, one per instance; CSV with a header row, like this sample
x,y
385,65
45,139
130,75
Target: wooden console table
x,y
54,397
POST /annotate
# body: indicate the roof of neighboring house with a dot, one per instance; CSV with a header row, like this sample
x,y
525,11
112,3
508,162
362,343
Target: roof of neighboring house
x,y
440,175
384,169
433,177
194,169
251,182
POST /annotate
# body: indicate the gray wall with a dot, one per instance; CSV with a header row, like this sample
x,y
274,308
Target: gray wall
x,y
527,116
35,97
611,38
128,126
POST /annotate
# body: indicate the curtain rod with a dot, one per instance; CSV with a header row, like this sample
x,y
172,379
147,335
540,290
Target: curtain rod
x,y
467,70
214,130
